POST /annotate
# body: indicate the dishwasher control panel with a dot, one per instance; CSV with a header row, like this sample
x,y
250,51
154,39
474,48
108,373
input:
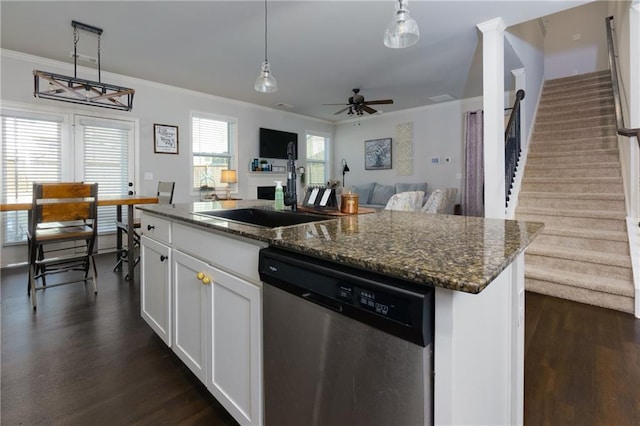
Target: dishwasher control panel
x,y
375,301
383,302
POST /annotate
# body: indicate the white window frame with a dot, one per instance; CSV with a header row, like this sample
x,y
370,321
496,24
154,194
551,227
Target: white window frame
x,y
325,161
233,150
71,155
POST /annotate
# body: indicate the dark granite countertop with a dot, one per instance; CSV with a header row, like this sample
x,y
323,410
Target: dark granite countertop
x,y
455,252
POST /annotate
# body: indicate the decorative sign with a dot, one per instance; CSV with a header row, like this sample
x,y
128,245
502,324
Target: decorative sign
x,y
377,154
165,139
403,158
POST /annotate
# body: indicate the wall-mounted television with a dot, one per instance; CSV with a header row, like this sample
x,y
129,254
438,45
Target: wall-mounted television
x,y
273,143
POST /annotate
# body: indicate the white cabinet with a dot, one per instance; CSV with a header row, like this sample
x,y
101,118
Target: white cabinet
x,y
192,281
201,293
155,286
236,367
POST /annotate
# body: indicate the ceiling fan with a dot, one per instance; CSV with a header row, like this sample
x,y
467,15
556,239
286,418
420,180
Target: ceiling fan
x,y
357,105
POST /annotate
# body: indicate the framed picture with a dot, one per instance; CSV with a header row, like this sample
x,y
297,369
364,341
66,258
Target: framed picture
x,y
165,139
377,154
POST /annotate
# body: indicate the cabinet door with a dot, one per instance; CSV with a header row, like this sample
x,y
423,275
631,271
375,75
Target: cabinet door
x,y
192,310
155,287
236,367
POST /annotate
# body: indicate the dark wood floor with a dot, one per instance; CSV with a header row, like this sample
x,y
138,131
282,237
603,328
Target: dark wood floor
x,y
91,360
582,364
87,360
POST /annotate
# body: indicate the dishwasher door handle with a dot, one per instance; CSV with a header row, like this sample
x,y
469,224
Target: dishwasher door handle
x,y
324,302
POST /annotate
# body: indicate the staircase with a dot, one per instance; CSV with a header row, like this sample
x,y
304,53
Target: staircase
x,y
572,183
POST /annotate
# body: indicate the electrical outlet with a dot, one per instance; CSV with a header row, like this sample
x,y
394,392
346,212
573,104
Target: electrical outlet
x,y
577,36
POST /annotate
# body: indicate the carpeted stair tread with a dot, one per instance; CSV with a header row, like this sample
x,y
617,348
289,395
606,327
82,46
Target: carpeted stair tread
x,y
584,170
576,113
568,180
590,256
582,214
594,75
570,124
586,233
574,195
573,134
602,97
576,279
605,151
581,295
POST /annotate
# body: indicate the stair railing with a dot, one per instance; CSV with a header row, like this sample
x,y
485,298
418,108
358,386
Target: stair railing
x,y
621,129
512,146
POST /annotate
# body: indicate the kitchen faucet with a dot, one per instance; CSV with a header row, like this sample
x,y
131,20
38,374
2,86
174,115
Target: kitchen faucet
x,y
290,196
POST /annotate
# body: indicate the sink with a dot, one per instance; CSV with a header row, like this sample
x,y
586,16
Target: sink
x,y
264,218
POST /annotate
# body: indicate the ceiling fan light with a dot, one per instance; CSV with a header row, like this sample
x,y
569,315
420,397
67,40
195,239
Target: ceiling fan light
x,y
265,82
403,30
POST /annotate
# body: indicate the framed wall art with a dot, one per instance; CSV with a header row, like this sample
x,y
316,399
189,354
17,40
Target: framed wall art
x,y
377,154
165,139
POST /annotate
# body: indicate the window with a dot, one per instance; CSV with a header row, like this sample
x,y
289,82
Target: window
x,y
213,143
31,151
317,152
106,150
41,147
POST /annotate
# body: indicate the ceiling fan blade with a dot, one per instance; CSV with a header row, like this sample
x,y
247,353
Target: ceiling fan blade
x,y
379,102
341,111
368,109
337,104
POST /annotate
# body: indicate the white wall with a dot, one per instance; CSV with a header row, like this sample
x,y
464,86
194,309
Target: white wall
x,y
527,41
437,132
565,56
157,103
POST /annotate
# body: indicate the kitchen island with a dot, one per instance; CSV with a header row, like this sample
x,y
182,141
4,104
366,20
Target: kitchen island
x,y
476,266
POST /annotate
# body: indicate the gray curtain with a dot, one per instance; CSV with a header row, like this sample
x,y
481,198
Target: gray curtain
x,y
473,203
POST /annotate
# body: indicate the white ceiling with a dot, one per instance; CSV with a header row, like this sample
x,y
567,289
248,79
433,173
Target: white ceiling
x,y
318,50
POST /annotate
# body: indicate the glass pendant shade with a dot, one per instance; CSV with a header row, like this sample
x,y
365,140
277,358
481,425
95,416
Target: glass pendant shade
x,y
403,30
265,82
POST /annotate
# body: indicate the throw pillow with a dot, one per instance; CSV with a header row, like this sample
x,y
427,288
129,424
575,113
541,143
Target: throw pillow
x,y
406,187
382,193
406,201
364,192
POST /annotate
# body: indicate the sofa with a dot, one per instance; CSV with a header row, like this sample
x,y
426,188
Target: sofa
x,y
377,195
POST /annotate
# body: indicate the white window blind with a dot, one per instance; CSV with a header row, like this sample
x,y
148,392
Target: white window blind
x,y
317,147
214,140
105,146
31,152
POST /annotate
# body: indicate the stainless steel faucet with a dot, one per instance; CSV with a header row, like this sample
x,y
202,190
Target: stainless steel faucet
x,y
290,196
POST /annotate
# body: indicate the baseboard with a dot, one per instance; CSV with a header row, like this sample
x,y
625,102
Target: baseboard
x,y
633,231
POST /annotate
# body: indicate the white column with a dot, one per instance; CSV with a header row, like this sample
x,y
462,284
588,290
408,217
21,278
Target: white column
x,y
634,59
493,106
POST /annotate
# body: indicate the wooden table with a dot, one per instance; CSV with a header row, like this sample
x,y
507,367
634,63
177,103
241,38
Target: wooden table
x,y
105,200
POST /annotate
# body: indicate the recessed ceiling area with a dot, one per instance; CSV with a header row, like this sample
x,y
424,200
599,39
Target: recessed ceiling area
x,y
318,50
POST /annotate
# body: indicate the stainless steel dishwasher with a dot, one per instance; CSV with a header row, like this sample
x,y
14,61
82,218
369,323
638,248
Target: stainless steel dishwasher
x,y
344,346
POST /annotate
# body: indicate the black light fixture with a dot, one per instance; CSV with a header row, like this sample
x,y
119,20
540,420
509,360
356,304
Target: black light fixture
x,y
345,169
80,91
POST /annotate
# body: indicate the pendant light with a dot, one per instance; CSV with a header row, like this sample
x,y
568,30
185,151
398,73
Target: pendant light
x,y
403,30
265,82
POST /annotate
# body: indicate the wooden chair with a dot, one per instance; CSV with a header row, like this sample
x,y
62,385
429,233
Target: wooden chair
x,y
62,213
165,196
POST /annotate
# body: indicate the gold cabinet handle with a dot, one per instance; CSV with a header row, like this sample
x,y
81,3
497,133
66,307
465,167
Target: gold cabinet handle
x,y
200,275
206,280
